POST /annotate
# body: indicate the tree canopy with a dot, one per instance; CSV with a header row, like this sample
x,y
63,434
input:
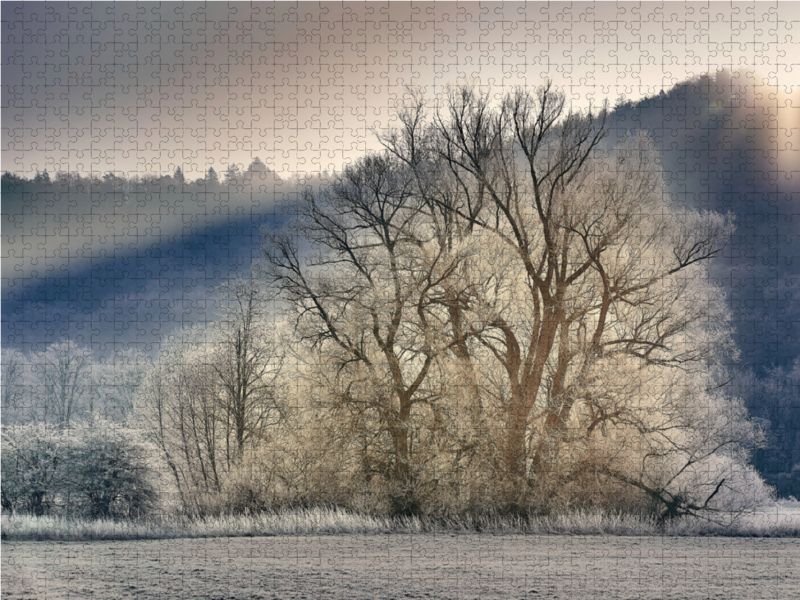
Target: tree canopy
x,y
506,271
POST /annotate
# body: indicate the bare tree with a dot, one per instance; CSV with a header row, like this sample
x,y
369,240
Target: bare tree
x,y
65,371
602,284
15,382
365,294
247,363
117,381
156,413
178,406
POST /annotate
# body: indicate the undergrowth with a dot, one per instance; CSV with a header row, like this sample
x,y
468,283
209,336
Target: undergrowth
x,y
780,520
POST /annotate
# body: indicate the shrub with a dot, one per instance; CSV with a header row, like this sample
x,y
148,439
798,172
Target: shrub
x,y
90,469
32,468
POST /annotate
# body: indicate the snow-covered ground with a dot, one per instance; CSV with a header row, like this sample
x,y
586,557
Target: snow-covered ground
x,y
377,566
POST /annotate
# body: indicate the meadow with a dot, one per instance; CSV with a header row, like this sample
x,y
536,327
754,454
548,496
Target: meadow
x,y
422,565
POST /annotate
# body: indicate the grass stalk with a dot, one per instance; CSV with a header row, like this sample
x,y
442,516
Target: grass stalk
x,y
780,520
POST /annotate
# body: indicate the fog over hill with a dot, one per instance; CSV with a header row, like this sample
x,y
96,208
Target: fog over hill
x,y
729,144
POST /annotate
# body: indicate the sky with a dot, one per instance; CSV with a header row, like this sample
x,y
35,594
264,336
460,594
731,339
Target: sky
x,y
144,88
147,87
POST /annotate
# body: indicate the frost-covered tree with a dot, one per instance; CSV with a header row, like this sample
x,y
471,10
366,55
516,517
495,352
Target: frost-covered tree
x,y
178,408
117,381
593,297
64,381
246,363
65,389
367,294
32,470
504,271
112,471
210,402
15,386
775,398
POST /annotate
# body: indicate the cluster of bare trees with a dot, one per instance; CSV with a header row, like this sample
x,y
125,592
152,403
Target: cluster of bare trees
x,y
500,311
210,402
64,382
508,311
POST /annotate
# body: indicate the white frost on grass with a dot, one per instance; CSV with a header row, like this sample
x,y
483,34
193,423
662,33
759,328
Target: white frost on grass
x,y
780,519
314,521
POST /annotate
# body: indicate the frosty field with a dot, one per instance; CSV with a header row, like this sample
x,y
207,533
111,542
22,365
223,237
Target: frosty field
x,y
380,566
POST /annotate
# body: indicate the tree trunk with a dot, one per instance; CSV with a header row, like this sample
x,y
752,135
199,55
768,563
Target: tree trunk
x,y
515,451
402,496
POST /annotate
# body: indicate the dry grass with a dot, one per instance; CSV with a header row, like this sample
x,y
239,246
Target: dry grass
x,y
779,520
315,521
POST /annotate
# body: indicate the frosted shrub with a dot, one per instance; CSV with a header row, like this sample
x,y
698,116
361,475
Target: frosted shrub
x,y
91,469
31,468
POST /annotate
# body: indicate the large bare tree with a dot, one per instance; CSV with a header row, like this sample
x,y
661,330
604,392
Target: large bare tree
x,y
591,288
360,269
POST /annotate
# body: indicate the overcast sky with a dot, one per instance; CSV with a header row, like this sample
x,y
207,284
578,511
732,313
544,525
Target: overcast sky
x,y
146,87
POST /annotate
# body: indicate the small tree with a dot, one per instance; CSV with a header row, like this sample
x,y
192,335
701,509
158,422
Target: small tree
x,y
42,178
179,406
15,386
117,382
212,178
247,363
110,476
233,175
65,370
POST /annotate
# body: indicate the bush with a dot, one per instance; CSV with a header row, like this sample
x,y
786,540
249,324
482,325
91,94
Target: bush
x,y
32,468
91,469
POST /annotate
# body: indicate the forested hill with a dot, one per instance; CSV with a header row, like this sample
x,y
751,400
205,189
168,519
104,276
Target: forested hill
x,y
730,143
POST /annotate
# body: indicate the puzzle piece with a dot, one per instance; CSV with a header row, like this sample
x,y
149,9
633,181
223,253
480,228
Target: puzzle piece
x,y
150,149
